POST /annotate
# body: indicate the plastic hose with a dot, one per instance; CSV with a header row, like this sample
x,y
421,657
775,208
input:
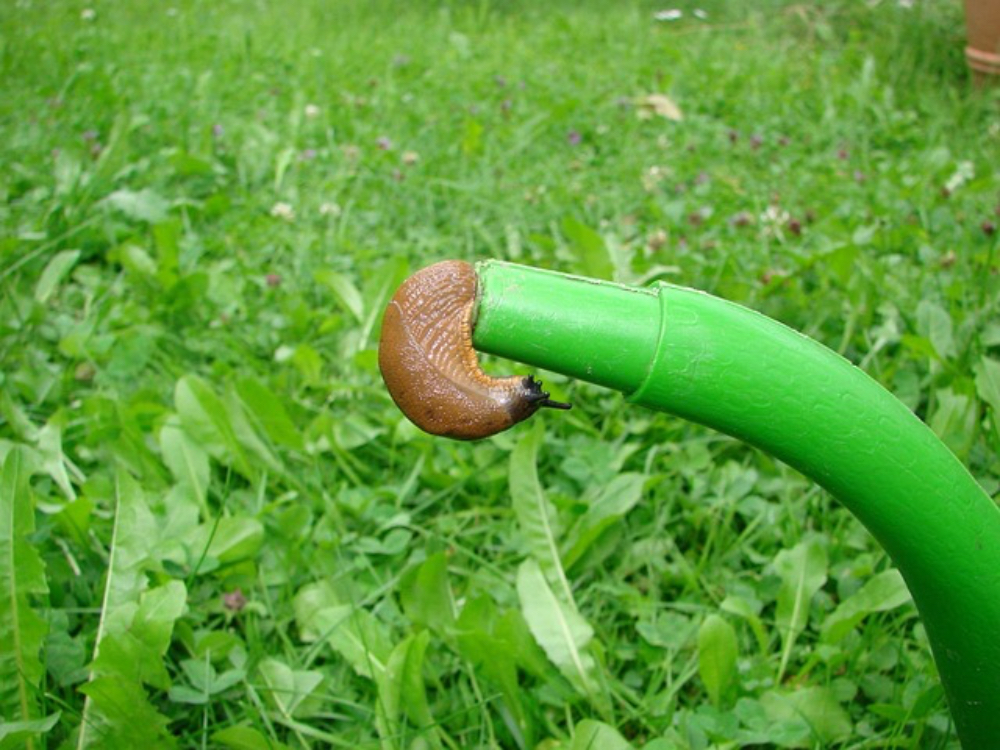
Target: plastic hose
x,y
722,365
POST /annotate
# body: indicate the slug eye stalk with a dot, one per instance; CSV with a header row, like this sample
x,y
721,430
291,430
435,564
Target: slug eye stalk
x,y
537,395
549,403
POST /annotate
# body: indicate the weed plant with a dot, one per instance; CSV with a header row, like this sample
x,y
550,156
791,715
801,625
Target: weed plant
x,y
217,531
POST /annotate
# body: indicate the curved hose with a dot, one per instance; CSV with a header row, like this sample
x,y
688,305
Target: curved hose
x,y
727,367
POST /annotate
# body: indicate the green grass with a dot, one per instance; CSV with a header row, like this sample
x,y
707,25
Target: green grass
x,y
218,531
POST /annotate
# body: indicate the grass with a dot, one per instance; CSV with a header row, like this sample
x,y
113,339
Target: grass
x,y
220,533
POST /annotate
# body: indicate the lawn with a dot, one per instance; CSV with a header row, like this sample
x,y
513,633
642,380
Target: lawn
x,y
219,532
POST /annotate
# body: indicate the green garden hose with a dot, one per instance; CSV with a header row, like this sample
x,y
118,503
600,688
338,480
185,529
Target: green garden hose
x,y
719,364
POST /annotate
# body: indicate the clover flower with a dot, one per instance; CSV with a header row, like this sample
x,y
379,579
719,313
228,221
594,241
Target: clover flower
x,y
284,211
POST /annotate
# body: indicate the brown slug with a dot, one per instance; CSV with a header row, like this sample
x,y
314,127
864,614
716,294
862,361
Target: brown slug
x,y
430,368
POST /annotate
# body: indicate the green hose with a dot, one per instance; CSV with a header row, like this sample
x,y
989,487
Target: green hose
x,y
727,367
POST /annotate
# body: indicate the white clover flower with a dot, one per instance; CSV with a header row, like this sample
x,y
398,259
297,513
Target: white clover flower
x,y
410,157
774,215
671,14
312,111
653,177
965,171
772,220
329,208
284,211
88,14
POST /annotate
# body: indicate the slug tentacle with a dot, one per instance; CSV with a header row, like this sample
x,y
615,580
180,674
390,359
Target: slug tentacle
x,y
430,368
536,394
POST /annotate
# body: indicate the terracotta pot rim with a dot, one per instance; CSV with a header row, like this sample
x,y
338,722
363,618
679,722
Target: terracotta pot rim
x,y
982,61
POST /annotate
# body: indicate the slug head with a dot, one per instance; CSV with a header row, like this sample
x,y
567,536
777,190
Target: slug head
x,y
530,398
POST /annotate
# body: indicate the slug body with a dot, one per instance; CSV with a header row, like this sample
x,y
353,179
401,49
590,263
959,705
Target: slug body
x,y
428,364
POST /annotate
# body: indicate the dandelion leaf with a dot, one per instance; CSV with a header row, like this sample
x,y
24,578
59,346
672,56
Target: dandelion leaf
x,y
133,635
22,577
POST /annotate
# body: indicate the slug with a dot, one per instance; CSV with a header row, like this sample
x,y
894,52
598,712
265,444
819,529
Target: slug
x,y
428,364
